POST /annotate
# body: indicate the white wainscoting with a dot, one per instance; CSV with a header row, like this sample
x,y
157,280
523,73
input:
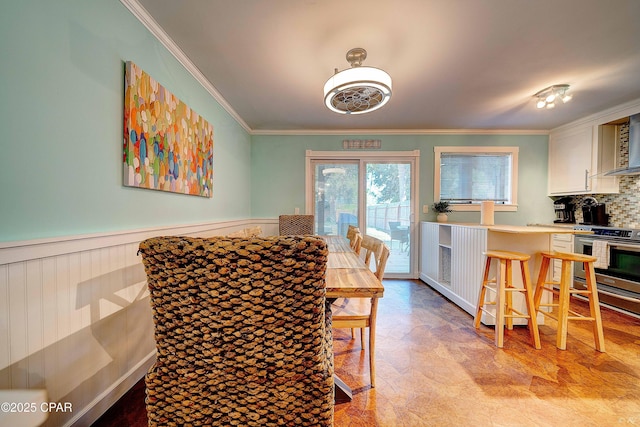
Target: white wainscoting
x,y
75,318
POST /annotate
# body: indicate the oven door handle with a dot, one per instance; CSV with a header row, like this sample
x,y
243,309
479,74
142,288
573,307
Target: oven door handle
x,y
632,248
623,297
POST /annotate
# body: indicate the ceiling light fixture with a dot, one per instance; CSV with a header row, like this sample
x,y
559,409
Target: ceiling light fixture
x,y
358,89
549,96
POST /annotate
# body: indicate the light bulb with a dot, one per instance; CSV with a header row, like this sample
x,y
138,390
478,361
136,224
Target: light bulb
x,y
566,98
541,103
551,97
551,105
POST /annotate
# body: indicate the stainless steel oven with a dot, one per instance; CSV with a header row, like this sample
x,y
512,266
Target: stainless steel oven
x,y
619,282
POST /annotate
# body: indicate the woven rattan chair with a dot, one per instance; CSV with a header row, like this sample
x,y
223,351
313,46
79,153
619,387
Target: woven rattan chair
x,y
291,225
243,335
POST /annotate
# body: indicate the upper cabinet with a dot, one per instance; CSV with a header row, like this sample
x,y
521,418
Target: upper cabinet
x,y
578,158
581,152
569,161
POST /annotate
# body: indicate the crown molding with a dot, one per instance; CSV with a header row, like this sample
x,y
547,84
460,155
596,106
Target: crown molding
x,y
143,16
602,117
403,132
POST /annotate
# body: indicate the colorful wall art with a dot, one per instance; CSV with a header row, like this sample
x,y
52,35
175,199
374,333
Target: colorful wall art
x,y
167,145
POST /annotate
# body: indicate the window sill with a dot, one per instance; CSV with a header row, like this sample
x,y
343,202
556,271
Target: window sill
x,y
475,207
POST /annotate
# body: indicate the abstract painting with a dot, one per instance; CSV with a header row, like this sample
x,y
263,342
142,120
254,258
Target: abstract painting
x,y
167,145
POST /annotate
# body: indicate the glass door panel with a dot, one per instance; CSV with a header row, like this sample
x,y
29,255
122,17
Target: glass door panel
x,y
336,197
375,192
388,210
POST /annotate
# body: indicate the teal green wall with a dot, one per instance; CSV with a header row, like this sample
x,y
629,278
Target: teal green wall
x,y
278,175
61,86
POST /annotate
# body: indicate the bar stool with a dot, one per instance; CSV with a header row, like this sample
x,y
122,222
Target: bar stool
x,y
564,292
503,286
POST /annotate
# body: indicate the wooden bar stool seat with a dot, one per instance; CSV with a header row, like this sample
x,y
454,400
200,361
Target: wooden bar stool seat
x,y
503,287
564,292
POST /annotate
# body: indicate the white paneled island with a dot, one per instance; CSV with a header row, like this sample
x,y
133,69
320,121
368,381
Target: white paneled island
x,y
452,260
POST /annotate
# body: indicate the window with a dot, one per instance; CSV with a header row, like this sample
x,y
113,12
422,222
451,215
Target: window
x,y
465,176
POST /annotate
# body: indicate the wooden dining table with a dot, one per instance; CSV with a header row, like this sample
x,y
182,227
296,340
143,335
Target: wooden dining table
x,y
348,277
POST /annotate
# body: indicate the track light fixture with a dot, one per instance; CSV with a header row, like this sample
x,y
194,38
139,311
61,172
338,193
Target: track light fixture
x,y
548,97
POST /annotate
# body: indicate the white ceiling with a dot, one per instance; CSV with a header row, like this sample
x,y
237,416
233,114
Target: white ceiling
x,y
455,64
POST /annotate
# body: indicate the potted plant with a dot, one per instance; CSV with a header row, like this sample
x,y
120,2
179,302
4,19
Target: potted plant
x,y
441,207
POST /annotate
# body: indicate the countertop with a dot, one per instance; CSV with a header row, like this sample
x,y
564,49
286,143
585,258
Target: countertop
x,y
523,229
556,225
529,229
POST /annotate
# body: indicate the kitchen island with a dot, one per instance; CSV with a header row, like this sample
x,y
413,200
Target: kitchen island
x,y
452,260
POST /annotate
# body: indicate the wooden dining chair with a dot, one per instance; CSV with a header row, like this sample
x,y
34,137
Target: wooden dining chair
x,y
352,230
361,313
356,243
253,231
372,248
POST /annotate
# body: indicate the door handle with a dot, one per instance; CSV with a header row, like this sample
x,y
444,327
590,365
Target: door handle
x,y
586,179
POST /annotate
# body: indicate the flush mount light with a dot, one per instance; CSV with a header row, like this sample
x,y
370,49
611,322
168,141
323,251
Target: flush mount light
x,y
547,98
359,89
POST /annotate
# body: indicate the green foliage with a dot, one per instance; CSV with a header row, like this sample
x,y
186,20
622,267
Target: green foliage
x,y
441,207
389,182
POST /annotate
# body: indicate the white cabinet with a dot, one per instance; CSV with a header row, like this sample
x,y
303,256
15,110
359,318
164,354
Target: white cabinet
x,y
578,158
429,249
561,243
452,261
570,161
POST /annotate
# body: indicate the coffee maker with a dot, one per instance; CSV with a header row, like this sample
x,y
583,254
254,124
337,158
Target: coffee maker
x,y
565,209
594,213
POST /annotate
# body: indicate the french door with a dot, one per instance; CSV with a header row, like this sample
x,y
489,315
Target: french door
x,y
374,191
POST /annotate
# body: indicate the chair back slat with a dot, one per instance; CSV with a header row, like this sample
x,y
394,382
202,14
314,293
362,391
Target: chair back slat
x,y
356,243
382,262
372,247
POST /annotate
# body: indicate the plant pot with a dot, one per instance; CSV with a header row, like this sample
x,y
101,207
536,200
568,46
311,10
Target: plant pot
x,y
442,217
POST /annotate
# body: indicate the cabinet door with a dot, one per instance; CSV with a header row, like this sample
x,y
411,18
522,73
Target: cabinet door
x,y
429,250
570,161
561,243
467,260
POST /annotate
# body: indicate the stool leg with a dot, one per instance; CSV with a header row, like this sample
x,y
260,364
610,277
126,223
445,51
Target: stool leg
x,y
508,295
531,309
594,306
482,295
563,305
500,302
542,277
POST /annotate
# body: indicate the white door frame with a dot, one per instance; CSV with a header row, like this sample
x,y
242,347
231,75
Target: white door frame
x,y
363,157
